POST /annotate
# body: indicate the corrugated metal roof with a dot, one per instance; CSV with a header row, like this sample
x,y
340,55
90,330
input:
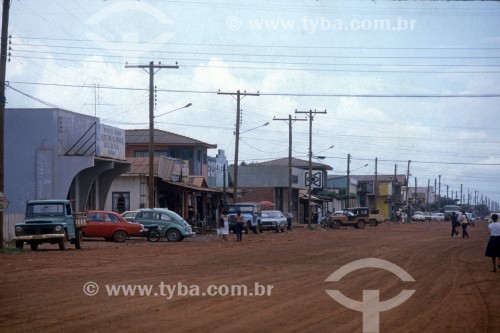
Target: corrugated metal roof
x,y
296,163
141,136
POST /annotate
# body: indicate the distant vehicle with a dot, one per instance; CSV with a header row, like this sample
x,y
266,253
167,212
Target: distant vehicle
x,y
427,216
110,226
251,211
418,216
437,217
338,212
355,217
129,215
170,224
448,209
273,220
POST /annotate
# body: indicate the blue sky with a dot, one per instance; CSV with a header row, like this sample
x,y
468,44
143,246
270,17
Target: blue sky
x,y
299,55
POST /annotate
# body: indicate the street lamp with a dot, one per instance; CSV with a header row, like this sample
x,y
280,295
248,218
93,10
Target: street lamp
x,y
151,181
236,149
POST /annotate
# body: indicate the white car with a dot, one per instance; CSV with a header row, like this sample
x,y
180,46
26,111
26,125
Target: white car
x,y
129,215
272,220
418,216
437,217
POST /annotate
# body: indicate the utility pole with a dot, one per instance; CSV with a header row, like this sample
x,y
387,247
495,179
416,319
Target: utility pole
x,y
237,134
290,121
407,183
428,192
310,177
415,193
3,71
150,69
439,191
435,188
348,180
461,194
376,183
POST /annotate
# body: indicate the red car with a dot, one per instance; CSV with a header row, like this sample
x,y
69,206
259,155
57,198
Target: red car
x,y
109,225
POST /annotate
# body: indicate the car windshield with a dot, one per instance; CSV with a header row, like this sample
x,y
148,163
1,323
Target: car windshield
x,y
244,209
45,210
270,214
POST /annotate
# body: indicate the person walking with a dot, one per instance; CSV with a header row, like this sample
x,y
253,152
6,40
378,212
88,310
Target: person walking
x,y
454,224
493,247
289,217
462,219
225,225
240,220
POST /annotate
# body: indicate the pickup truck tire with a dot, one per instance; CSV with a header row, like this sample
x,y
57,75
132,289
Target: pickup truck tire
x,y
360,225
373,223
63,242
335,224
173,235
78,239
120,236
34,246
247,227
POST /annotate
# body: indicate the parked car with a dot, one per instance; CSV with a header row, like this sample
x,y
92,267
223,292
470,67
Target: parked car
x,y
437,217
418,216
273,220
109,225
129,215
170,224
251,211
427,216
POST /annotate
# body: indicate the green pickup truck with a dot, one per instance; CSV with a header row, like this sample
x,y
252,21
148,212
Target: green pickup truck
x,y
50,221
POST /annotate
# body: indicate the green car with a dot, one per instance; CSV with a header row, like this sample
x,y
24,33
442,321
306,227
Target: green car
x,y
170,224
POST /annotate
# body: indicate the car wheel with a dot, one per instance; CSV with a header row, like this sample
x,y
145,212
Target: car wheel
x,y
173,235
360,225
78,239
34,246
63,242
120,236
247,227
373,223
335,224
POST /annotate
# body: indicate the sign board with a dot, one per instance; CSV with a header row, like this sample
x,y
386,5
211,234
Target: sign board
x,y
110,142
316,179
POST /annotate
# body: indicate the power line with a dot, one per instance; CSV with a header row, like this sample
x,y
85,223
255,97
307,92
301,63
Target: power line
x,y
490,95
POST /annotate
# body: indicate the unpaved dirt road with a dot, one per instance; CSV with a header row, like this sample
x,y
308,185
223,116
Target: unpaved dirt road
x,y
455,291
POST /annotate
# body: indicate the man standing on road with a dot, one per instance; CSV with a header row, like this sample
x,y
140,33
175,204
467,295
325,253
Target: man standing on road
x,y
240,220
289,217
454,224
462,219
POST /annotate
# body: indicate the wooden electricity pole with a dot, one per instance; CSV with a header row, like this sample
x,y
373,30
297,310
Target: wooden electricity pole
x,y
150,68
237,134
290,121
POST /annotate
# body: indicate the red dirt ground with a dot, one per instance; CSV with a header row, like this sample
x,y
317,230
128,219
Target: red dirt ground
x,y
455,291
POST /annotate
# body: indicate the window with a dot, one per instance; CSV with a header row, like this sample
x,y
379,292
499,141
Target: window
x,y
121,201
